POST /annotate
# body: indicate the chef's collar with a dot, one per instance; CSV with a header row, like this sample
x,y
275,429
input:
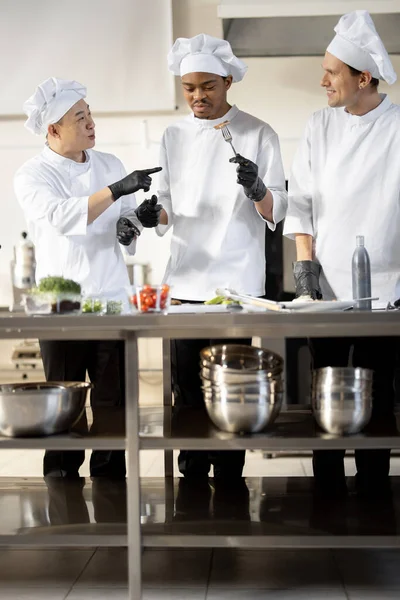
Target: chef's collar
x,y
372,115
66,163
210,123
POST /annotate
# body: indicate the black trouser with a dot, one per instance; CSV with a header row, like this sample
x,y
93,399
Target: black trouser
x,y
379,354
104,363
186,385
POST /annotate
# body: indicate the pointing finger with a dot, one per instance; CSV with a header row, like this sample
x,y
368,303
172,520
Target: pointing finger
x,y
150,171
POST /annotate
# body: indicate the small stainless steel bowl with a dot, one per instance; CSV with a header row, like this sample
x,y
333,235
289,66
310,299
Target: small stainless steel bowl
x,y
246,408
44,408
248,414
229,376
342,399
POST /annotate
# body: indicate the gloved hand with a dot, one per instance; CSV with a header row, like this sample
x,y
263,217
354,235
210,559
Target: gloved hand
x,y
126,231
148,212
138,180
247,172
306,276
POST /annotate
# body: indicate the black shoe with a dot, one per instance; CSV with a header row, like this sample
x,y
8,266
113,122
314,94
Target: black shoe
x,y
193,499
231,499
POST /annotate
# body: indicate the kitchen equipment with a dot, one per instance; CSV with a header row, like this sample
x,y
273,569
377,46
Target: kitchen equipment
x,y
45,408
26,354
243,412
242,386
226,134
49,303
361,275
238,358
342,399
290,306
23,267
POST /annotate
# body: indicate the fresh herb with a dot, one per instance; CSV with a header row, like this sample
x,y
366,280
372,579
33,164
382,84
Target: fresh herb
x,y
58,285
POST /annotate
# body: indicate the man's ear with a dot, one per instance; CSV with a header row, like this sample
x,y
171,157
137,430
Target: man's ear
x,y
53,130
365,79
228,82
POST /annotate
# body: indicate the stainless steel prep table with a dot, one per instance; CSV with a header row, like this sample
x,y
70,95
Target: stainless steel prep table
x,y
295,430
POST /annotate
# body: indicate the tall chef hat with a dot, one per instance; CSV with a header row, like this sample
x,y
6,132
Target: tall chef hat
x,y
358,44
205,54
51,100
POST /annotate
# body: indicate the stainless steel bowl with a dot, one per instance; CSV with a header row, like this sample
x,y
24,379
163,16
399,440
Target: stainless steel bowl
x,y
342,399
243,414
45,408
228,376
238,358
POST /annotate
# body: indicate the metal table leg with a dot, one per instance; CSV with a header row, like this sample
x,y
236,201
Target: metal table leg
x,y
132,433
168,454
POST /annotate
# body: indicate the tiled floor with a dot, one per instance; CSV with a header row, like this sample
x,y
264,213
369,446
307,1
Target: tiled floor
x,y
197,574
176,574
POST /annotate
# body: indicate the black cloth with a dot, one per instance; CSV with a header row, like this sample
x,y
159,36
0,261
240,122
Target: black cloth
x,y
104,363
186,386
380,355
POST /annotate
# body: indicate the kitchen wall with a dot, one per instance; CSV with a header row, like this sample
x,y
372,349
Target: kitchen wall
x,y
282,91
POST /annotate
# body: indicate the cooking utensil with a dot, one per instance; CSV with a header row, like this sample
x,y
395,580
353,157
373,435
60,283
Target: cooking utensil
x,y
45,408
342,399
238,358
243,413
228,137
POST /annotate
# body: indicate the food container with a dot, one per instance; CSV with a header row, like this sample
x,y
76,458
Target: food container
x,y
94,305
149,298
342,399
45,408
47,303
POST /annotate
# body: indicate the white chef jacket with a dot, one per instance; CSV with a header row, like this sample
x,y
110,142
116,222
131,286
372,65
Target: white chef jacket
x,y
53,192
345,182
218,235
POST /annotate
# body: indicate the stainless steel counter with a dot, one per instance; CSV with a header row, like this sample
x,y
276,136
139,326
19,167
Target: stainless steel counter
x,y
295,430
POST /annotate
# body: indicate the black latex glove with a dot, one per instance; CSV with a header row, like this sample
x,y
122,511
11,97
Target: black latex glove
x,y
148,212
247,176
306,276
138,180
126,231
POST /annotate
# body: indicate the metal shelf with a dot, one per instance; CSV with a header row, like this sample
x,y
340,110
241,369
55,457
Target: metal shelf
x,y
295,429
276,512
162,428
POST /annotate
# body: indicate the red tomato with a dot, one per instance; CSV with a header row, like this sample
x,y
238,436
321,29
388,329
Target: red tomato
x,y
133,300
147,288
165,288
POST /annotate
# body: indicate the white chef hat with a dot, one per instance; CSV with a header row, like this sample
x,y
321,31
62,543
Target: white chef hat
x,y
358,44
205,54
51,100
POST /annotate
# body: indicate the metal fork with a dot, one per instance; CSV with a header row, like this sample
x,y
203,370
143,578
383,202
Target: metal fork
x,y
228,137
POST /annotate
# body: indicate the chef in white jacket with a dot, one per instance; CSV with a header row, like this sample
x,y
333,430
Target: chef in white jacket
x,y
218,205
72,197
345,182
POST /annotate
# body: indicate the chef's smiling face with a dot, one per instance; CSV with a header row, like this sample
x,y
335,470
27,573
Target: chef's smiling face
x,y
342,87
76,130
205,93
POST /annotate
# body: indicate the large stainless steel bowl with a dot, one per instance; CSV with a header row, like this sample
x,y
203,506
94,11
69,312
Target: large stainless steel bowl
x,y
45,408
229,376
247,413
342,399
238,358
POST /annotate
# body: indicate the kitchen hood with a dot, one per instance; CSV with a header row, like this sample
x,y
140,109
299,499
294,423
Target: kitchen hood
x,y
296,28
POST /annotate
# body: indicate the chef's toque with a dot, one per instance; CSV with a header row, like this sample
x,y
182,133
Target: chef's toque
x,y
358,44
205,54
49,103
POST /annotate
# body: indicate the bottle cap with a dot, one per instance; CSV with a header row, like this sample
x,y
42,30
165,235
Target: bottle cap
x,y
360,240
